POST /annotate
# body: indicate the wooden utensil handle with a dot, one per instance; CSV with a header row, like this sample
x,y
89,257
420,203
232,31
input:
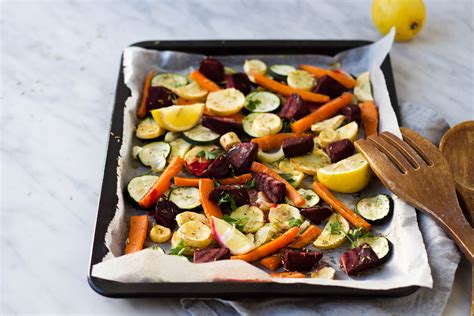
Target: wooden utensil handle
x,y
462,233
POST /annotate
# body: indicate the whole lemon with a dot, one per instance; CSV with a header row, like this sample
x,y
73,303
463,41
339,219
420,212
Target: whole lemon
x,y
408,17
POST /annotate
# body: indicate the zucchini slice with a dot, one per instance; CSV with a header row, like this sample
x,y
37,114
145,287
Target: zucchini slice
x,y
290,174
186,198
179,148
270,157
149,129
169,80
300,79
193,153
154,155
284,216
170,136
138,186
251,216
280,72
262,124
254,65
379,244
262,101
191,92
334,233
377,209
310,198
201,135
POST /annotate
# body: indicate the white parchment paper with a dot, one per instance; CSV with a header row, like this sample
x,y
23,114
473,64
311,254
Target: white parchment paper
x,y
408,265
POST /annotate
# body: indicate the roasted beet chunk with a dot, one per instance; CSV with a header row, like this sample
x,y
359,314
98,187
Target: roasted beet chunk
x,y
159,97
222,125
239,81
298,146
253,196
165,213
198,166
212,69
330,87
219,168
316,214
359,259
273,189
339,150
294,108
242,155
300,260
351,112
239,194
212,254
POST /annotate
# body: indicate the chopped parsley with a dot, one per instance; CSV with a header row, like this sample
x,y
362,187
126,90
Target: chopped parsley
x,y
252,104
352,235
179,249
207,155
295,222
251,184
286,127
336,228
227,198
238,223
288,177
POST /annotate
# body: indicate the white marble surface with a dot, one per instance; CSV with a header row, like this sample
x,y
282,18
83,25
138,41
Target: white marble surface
x,y
59,64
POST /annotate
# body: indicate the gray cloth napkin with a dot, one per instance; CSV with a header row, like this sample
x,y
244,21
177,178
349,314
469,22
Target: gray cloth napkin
x,y
443,257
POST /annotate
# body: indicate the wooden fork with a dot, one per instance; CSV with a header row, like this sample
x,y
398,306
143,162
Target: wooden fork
x,y
416,171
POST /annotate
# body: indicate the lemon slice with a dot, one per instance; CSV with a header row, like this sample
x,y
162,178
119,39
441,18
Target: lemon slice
x,y
225,102
230,237
178,118
349,175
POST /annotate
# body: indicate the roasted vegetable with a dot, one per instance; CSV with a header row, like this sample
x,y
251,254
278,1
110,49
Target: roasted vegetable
x,y
330,87
300,260
219,168
228,140
339,150
239,81
359,259
316,214
212,69
375,210
298,146
159,97
165,213
242,155
222,125
351,113
294,108
210,255
273,189
230,194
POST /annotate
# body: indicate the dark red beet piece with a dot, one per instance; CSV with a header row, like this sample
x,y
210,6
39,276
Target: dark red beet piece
x,y
198,166
218,168
159,97
242,155
239,81
298,146
210,255
237,192
300,260
316,214
165,213
294,108
222,125
212,69
359,259
330,87
253,196
351,112
339,150
273,189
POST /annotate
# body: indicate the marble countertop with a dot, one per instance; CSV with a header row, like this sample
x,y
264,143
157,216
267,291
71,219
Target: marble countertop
x,y
59,66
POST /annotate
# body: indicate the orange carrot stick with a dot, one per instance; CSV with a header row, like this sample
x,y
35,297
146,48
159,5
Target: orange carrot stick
x,y
370,117
210,208
194,182
271,142
270,247
291,192
322,113
285,90
297,275
162,183
339,77
310,234
271,263
141,112
203,82
137,233
340,207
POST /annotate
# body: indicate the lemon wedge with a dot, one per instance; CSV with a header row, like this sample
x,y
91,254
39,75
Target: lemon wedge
x,y
349,175
178,118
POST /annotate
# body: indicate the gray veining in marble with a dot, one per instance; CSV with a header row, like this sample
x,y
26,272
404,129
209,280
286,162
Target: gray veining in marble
x,y
59,63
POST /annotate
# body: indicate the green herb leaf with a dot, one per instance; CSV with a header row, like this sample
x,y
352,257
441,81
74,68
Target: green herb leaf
x,y
209,155
226,198
353,235
252,104
295,222
238,223
251,184
336,228
286,127
288,177
179,249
